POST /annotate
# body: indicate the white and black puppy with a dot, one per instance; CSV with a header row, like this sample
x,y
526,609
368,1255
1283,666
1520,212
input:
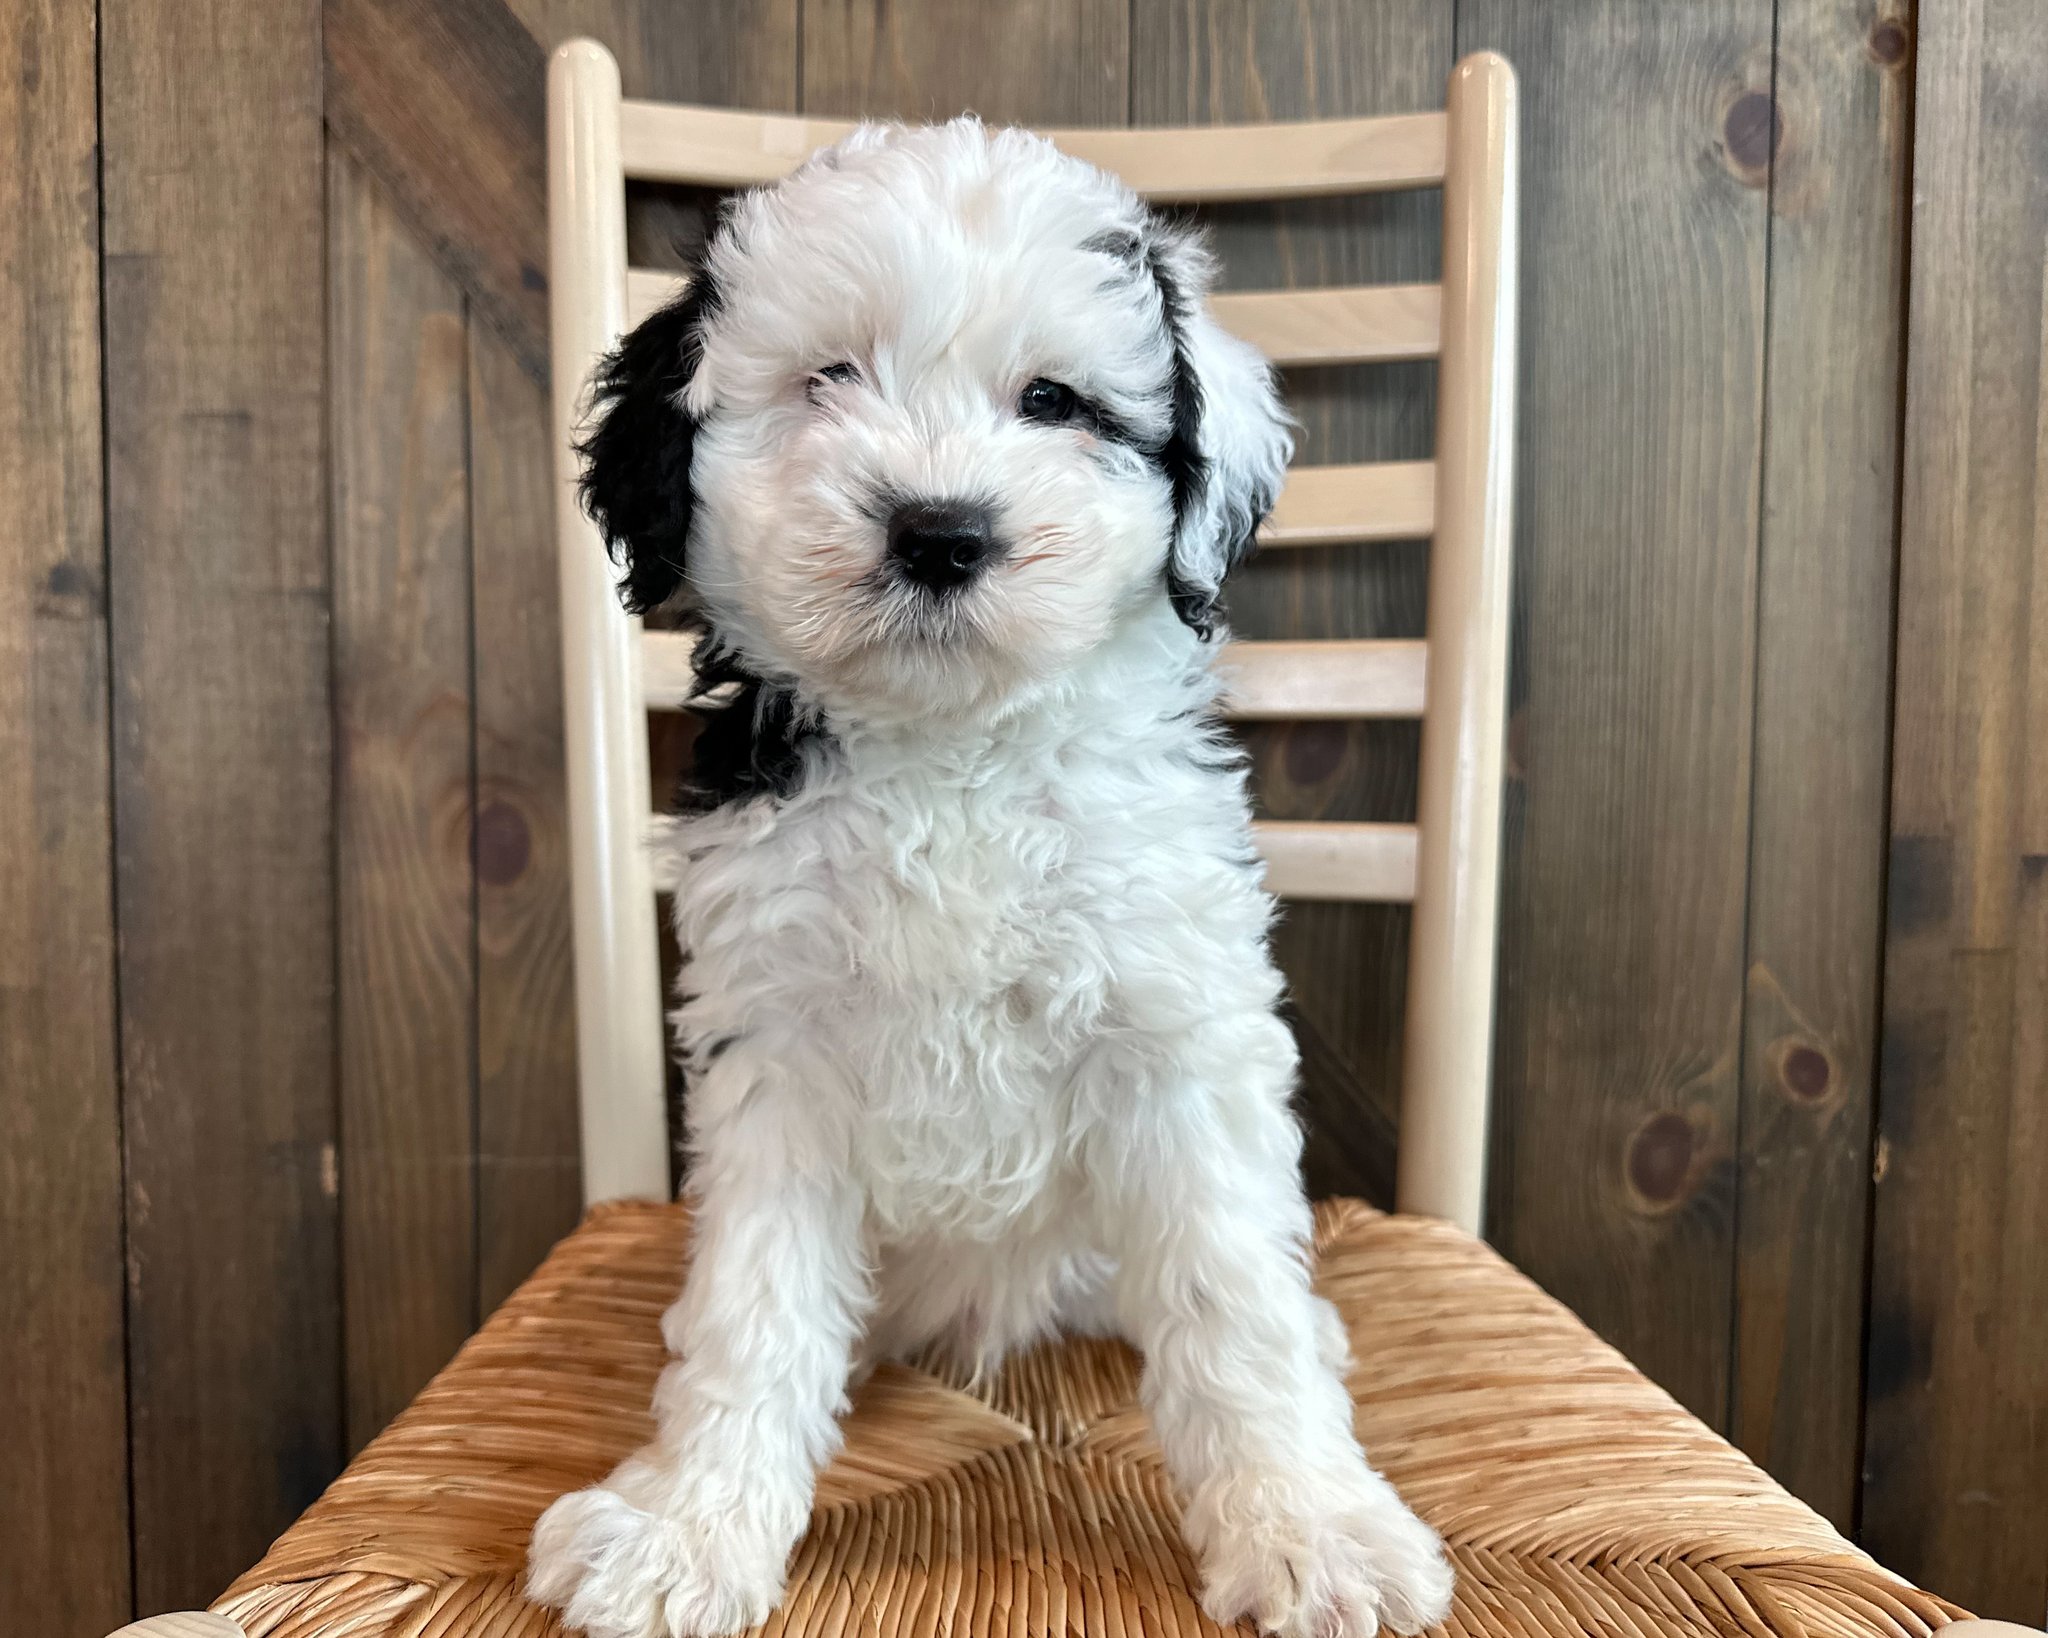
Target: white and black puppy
x,y
947,453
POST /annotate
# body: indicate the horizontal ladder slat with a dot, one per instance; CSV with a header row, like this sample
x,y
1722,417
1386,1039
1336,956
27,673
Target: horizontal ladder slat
x,y
1311,681
730,148
1360,324
648,288
1328,862
1360,863
1263,681
1351,324
668,672
1320,505
1382,500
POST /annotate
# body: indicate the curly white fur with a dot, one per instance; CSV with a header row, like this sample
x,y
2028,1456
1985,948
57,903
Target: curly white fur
x,y
979,1014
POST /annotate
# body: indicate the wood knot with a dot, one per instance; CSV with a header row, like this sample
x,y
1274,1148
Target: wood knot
x,y
504,843
1751,134
1805,1071
1660,1160
1888,42
1315,750
68,592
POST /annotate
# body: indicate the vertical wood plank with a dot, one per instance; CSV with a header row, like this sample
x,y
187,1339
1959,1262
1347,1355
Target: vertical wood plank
x,y
445,104
397,399
739,53
1205,61
529,1175
1956,1463
1643,211
1025,61
1837,291
64,1505
223,794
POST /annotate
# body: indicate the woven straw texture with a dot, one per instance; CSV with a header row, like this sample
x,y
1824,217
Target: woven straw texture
x,y
1576,1496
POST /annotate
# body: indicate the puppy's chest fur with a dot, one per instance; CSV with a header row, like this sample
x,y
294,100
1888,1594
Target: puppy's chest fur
x,y
964,953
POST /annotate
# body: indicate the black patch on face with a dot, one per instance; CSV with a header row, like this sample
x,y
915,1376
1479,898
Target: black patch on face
x,y
636,457
754,744
1180,457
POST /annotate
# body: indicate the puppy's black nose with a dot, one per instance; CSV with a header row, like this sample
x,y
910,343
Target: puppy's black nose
x,y
940,544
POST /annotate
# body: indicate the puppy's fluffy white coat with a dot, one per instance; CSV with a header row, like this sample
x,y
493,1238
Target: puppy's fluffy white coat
x,y
978,1010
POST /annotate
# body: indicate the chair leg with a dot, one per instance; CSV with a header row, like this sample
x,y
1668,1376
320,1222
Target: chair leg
x,y
183,1624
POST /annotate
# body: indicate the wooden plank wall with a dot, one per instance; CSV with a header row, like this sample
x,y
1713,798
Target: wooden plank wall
x,y
1958,1426
223,782
64,1567
279,705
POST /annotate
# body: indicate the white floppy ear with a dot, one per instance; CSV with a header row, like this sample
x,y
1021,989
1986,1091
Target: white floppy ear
x,y
1227,452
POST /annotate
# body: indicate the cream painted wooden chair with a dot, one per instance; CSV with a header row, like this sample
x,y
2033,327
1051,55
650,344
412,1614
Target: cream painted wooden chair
x,y
1447,863
1574,1495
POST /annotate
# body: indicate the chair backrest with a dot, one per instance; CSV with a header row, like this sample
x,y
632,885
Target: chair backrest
x,y
1447,862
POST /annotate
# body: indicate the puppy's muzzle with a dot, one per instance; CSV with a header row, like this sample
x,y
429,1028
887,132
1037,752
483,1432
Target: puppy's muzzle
x,y
940,544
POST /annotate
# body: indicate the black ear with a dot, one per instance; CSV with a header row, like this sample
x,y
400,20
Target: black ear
x,y
1181,457
1228,438
636,455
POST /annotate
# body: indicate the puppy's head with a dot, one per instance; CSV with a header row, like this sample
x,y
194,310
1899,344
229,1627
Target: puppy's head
x,y
937,415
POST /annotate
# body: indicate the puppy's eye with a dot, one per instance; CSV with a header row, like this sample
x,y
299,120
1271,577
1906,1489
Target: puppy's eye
x,y
841,374
1047,401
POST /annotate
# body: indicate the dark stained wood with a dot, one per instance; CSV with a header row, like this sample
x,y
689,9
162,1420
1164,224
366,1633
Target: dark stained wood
x,y
223,793
1643,238
733,53
445,102
1205,61
1838,197
1684,1142
64,1503
1029,61
398,397
529,1182
1956,1468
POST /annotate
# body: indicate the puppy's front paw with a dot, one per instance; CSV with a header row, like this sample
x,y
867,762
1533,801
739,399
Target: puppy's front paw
x,y
617,1570
1329,1560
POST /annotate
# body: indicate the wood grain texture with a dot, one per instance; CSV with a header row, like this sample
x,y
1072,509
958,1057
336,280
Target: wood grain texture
x,y
1823,704
1035,62
397,403
529,1183
444,101
64,1503
1204,61
1956,1464
1644,227
223,789
731,53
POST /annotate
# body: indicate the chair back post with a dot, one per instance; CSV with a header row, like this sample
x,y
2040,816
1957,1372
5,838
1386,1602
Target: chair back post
x,y
1441,1163
620,1057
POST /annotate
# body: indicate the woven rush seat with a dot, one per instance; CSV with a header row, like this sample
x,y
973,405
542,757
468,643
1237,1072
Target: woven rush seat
x,y
1576,1496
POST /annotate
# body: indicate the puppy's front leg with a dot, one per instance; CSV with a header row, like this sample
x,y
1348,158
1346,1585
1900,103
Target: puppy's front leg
x,y
1243,1379
689,1537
